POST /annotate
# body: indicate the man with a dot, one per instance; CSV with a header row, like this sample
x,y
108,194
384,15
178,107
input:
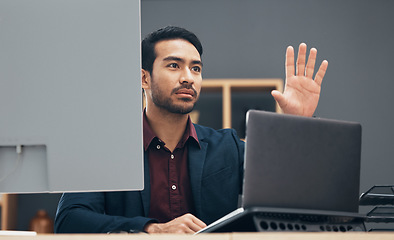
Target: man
x,y
193,174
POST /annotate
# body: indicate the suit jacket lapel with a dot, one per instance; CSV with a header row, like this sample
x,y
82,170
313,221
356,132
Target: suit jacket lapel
x,y
196,166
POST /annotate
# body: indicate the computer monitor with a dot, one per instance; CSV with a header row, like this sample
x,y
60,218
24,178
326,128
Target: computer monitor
x,y
70,96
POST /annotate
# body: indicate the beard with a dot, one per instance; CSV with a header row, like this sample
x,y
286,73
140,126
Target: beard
x,y
167,103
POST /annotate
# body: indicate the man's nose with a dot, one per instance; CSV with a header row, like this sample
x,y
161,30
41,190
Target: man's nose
x,y
187,76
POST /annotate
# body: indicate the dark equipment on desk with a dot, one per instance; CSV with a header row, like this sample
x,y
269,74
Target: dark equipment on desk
x,y
381,197
378,195
259,219
301,174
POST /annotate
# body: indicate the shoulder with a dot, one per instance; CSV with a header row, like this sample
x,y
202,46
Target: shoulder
x,y
225,138
210,133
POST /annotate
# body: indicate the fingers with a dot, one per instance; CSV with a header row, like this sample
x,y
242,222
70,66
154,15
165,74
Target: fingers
x,y
289,64
198,222
321,72
310,66
301,69
301,60
184,224
193,222
185,229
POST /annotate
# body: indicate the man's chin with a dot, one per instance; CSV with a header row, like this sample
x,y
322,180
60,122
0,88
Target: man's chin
x,y
184,107
179,106
181,109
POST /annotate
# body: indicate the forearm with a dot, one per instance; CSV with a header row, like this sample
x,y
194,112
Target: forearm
x,y
93,213
85,221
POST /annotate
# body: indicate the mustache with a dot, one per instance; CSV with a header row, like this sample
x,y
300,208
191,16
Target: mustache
x,y
185,86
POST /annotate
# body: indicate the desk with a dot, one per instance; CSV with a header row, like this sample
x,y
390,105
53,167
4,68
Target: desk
x,y
216,236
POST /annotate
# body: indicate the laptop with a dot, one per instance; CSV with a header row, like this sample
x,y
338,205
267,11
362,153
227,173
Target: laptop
x,y
301,174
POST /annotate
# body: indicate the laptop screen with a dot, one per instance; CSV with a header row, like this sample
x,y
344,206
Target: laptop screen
x,y
301,163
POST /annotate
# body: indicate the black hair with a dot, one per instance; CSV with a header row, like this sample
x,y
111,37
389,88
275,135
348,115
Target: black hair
x,y
167,33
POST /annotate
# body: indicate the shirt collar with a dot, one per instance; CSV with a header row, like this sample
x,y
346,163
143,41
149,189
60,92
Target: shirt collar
x,y
149,135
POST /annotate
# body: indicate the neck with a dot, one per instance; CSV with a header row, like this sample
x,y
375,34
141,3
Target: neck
x,y
169,127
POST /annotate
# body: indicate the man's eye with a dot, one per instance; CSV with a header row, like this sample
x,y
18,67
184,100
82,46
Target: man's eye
x,y
173,65
196,69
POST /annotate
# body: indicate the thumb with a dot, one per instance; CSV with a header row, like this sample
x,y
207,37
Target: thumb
x,y
278,96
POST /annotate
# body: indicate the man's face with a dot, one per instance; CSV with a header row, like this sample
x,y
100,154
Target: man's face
x,y
176,76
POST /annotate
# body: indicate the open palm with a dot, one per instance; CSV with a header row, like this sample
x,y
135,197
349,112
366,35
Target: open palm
x,y
302,92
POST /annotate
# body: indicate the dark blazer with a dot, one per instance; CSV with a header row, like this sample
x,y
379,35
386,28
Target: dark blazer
x,y
216,173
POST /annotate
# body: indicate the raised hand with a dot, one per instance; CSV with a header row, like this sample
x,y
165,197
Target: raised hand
x,y
302,92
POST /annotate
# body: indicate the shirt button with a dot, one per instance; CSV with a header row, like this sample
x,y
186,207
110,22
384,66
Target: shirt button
x,y
173,187
172,156
158,146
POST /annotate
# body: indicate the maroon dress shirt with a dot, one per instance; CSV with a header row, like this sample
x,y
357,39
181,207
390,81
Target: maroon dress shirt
x,y
171,194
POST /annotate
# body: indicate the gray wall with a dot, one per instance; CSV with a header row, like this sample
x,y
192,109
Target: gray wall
x,y
248,38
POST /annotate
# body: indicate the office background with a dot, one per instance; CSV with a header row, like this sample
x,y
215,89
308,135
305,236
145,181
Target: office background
x,y
248,38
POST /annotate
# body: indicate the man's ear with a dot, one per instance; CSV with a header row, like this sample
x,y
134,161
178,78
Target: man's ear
x,y
145,79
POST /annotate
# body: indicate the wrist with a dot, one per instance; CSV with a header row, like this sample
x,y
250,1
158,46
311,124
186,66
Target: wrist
x,y
150,227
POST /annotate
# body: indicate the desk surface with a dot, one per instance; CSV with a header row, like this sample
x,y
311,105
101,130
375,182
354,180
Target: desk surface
x,y
216,236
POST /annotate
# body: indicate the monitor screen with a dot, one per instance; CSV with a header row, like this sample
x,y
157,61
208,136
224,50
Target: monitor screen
x,y
70,96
